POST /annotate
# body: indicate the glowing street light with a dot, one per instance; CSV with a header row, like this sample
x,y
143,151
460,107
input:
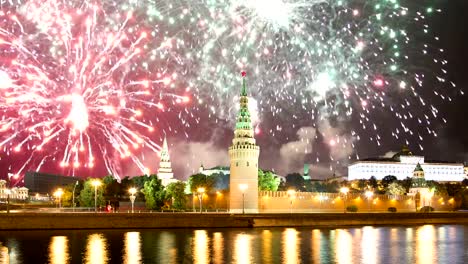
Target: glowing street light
x,y
200,192
321,199
243,188
344,191
95,183
369,195
58,193
218,194
73,196
291,195
132,192
8,192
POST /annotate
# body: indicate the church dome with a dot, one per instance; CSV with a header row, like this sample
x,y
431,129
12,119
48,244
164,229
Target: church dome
x,y
405,151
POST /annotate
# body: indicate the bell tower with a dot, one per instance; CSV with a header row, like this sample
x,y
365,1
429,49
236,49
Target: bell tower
x,y
243,155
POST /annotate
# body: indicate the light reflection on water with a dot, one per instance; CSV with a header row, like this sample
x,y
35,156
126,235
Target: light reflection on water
x,y
96,249
132,250
58,250
418,244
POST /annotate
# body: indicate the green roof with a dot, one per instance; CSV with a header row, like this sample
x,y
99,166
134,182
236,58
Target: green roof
x,y
418,168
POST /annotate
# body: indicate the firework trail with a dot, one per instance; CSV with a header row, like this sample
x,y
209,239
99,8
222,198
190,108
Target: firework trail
x,y
88,81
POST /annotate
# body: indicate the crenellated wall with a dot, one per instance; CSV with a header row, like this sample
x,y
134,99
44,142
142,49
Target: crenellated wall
x,y
275,202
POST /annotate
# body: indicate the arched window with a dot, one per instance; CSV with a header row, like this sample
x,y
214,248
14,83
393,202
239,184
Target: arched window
x,y
247,163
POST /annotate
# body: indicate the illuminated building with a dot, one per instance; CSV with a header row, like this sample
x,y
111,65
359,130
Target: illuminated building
x,y
402,164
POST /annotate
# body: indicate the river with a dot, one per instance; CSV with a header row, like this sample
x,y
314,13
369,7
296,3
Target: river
x,y
387,244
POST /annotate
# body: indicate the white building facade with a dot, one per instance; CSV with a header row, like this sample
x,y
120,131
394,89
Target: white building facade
x,y
16,193
402,166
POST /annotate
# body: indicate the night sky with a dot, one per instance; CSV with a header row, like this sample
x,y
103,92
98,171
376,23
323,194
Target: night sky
x,y
197,113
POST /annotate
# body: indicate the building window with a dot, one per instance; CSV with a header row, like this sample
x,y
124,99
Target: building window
x,y
237,164
247,163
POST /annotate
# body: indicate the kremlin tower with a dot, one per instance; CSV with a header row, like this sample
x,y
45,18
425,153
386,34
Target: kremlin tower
x,y
165,170
243,155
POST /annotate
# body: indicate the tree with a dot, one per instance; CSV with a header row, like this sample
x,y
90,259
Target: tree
x,y
395,188
112,188
267,181
200,180
362,184
406,183
373,183
175,192
220,181
87,194
154,193
67,195
387,180
295,181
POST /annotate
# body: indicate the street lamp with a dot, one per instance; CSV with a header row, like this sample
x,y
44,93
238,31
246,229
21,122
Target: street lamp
x,y
8,191
132,192
369,195
73,196
218,194
200,196
95,183
344,191
243,188
58,194
291,195
321,199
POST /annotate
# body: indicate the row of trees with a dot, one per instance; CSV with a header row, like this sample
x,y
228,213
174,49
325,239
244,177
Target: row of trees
x,y
150,189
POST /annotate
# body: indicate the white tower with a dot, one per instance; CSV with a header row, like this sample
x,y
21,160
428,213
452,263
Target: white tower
x,y
165,169
243,155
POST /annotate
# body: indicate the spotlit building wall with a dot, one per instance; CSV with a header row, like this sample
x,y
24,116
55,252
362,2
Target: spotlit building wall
x,y
402,165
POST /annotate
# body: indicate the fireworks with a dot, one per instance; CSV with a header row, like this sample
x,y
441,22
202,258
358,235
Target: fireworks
x,y
90,81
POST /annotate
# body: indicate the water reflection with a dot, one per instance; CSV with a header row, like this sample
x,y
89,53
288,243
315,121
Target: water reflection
x,y
218,247
291,246
4,258
266,246
424,244
96,249
369,245
425,241
58,250
166,247
132,250
201,252
344,246
242,249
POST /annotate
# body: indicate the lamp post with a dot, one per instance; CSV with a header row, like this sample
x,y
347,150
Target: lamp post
x,y
8,191
200,196
95,183
344,191
369,195
58,194
218,194
73,196
243,188
321,199
132,192
291,195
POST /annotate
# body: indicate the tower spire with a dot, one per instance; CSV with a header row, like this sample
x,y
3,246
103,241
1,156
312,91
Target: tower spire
x,y
165,168
243,155
244,85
